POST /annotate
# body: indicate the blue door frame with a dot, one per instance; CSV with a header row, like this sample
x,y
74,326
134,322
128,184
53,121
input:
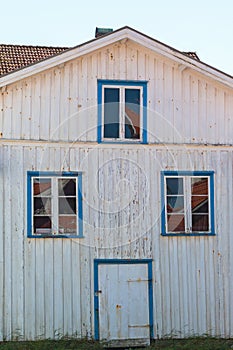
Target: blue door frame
x,y
98,262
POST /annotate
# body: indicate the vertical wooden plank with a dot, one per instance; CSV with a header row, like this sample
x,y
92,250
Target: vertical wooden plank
x,y
202,87
117,61
100,197
1,110
155,237
7,311
26,109
17,241
91,200
7,112
165,256
91,113
49,290
131,62
177,106
17,95
64,100
83,122
158,134
29,258
122,61
211,114
169,102
53,162
54,115
174,286
40,289
166,304
2,260
75,263
73,105
36,107
151,101
132,208
82,95
86,258
194,126
67,287
226,191
186,106
110,62
42,160
222,254
76,288
230,206
201,284
140,64
228,118
215,312
46,129
145,219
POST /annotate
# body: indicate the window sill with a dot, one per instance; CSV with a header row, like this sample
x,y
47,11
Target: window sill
x,y
54,236
123,142
194,234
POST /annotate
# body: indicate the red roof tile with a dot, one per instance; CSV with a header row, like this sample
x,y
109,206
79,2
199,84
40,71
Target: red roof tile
x,y
13,57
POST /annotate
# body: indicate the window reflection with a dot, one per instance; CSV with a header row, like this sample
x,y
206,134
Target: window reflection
x,y
111,112
42,205
132,113
200,204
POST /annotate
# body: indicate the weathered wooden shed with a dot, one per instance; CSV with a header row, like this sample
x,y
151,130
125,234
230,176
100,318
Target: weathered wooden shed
x,y
116,165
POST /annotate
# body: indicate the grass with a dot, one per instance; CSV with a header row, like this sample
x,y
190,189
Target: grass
x,y
199,343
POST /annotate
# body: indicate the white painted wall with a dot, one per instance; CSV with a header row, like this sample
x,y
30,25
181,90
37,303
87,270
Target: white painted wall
x,y
60,104
46,286
48,122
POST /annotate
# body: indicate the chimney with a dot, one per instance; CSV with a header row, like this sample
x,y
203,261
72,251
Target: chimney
x,y
102,31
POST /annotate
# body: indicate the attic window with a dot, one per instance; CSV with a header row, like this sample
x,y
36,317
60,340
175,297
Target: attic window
x,y
121,111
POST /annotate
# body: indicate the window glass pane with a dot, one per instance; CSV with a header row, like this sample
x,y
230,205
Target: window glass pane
x,y
42,205
175,204
42,224
67,205
132,113
67,187
200,223
174,185
67,224
200,204
199,186
42,187
175,223
111,112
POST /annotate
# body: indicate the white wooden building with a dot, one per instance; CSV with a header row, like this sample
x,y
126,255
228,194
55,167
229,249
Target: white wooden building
x,y
122,231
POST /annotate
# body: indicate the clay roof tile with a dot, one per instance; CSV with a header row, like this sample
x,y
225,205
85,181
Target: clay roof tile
x,y
13,57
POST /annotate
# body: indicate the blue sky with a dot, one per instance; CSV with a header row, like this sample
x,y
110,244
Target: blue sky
x,y
203,26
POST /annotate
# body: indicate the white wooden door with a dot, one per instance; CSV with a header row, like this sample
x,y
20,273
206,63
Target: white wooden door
x,y
124,304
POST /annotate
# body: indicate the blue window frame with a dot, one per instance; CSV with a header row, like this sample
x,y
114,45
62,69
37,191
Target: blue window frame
x,y
187,203
54,204
122,111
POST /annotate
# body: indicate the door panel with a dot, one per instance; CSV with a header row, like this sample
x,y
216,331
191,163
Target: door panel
x,y
123,302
